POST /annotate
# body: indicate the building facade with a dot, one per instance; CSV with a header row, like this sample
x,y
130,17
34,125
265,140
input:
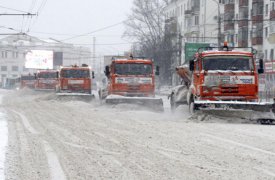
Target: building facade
x,y
13,50
192,21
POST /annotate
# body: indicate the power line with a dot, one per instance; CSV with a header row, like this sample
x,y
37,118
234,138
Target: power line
x,y
13,9
18,14
101,29
41,7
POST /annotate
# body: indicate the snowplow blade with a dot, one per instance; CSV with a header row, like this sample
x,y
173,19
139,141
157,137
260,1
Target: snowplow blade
x,y
246,110
45,90
75,96
155,104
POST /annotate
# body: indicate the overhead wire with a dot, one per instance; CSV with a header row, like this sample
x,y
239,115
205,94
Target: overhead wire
x,y
29,20
98,30
38,12
14,9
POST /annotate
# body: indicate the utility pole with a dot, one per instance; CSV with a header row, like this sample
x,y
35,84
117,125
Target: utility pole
x,y
219,22
219,26
94,41
180,48
16,14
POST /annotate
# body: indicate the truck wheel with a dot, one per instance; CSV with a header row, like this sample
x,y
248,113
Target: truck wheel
x,y
192,108
173,103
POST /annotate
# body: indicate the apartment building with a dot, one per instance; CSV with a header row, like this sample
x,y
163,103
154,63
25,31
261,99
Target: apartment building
x,y
195,20
191,21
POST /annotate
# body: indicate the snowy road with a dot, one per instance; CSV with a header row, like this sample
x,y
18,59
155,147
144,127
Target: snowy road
x,y
51,139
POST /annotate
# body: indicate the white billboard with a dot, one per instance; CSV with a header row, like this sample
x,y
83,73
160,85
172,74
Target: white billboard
x,y
39,59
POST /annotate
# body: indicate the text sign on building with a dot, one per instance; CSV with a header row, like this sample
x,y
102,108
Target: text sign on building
x,y
192,48
39,59
269,67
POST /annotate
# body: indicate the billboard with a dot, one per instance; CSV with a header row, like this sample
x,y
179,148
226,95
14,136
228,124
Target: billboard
x,y
39,59
192,48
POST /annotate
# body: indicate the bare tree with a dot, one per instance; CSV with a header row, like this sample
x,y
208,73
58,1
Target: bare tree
x,y
146,26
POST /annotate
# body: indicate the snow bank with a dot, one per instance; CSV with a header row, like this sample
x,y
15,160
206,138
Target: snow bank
x,y
3,141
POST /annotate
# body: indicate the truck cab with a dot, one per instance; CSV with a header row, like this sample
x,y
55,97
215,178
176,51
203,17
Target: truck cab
x,y
46,79
131,77
27,81
75,79
224,78
224,75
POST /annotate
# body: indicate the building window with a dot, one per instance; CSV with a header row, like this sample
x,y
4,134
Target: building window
x,y
14,68
271,54
265,54
196,20
273,6
14,75
4,68
266,32
4,54
15,54
3,75
266,9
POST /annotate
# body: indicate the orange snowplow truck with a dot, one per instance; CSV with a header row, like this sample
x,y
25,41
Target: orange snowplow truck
x,y
132,81
27,81
75,80
225,78
46,79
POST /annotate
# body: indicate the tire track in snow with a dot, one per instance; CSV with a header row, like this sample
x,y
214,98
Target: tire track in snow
x,y
54,165
26,123
239,144
56,170
267,172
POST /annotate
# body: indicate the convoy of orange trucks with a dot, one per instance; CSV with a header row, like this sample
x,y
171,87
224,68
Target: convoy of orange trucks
x,y
218,79
46,79
75,81
131,80
222,79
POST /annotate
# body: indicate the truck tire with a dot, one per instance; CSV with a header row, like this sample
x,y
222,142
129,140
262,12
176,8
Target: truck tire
x,y
173,104
192,106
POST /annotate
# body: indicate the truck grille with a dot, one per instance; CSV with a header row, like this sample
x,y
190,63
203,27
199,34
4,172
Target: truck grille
x,y
133,88
230,90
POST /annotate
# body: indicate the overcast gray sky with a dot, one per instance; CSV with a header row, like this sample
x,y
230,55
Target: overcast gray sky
x,y
66,18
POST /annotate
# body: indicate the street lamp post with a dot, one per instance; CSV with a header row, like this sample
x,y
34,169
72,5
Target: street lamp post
x,y
219,22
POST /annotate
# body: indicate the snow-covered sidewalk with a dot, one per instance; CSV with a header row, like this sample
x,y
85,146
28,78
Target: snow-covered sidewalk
x,y
3,140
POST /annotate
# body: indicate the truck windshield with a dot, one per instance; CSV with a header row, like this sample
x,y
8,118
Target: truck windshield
x,y
233,63
27,78
47,75
133,69
75,73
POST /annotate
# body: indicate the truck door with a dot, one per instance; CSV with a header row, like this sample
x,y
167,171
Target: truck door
x,y
197,76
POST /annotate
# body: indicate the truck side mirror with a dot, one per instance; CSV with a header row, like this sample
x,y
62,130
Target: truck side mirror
x,y
107,71
261,66
93,74
157,71
191,65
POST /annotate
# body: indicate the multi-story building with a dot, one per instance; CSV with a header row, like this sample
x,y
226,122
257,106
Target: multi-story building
x,y
245,23
13,50
191,21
